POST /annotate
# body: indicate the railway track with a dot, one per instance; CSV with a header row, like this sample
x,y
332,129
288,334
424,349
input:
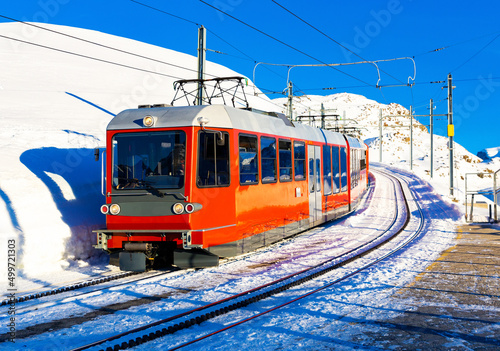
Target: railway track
x,y
78,292
101,279
368,253
39,293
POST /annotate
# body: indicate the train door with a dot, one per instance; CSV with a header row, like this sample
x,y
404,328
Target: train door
x,y
315,205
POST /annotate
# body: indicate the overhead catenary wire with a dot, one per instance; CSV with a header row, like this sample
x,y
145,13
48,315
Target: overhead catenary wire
x,y
98,44
197,24
346,48
215,34
167,13
477,53
89,57
209,30
280,41
455,44
333,40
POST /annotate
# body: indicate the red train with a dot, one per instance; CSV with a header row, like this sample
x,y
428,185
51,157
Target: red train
x,y
187,185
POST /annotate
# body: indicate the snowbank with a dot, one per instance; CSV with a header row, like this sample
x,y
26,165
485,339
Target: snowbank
x,y
54,108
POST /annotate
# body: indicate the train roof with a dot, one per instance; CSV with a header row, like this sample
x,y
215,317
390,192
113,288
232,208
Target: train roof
x,y
222,116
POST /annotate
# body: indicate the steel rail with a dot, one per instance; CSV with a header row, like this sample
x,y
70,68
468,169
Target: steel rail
x,y
70,287
81,285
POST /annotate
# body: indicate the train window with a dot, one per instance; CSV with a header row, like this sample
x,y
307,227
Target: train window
x,y
249,171
336,169
149,161
363,160
354,166
318,175
343,168
327,169
299,156
285,149
268,159
213,159
311,173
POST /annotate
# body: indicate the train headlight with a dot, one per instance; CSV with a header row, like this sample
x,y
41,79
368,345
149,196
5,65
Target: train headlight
x,y
148,121
202,121
178,208
104,209
114,209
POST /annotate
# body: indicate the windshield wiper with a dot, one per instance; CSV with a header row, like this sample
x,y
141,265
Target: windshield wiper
x,y
143,183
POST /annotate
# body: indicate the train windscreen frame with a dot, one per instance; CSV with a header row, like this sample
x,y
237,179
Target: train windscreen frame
x,y
213,159
146,161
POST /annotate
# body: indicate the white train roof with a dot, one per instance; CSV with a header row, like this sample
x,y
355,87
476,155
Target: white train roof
x,y
226,117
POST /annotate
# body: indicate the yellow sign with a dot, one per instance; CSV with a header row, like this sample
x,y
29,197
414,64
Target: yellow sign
x,y
451,130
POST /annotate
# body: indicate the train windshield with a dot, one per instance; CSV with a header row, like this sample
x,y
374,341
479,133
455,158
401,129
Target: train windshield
x,y
149,161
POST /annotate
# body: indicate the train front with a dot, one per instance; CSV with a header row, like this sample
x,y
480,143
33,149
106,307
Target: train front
x,y
148,168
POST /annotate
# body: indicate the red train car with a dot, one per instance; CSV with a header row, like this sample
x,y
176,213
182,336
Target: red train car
x,y
188,185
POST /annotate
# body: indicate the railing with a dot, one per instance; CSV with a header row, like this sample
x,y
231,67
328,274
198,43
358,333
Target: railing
x,y
485,211
496,193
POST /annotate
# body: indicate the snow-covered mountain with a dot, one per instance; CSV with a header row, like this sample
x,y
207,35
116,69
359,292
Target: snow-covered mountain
x,y
57,95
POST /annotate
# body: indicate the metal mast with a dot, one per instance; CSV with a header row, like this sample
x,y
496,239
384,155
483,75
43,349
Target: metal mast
x,y
451,129
290,100
201,63
411,138
432,137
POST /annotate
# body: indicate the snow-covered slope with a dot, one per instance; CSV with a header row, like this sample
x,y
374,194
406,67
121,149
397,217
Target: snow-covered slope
x,y
54,108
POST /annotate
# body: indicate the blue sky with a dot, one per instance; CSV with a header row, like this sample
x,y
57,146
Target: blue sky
x,y
373,30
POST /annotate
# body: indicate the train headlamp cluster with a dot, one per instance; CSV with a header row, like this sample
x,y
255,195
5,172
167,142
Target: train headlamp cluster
x,y
179,208
113,209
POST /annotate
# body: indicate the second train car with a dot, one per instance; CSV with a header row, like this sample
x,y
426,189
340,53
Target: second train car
x,y
187,185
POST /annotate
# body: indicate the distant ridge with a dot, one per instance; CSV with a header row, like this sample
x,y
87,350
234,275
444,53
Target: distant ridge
x,y
489,153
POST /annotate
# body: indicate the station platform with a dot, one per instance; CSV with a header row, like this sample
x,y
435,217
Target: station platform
x,y
455,303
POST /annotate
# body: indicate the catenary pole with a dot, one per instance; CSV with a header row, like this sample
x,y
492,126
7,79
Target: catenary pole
x,y
380,136
432,137
411,138
451,131
201,63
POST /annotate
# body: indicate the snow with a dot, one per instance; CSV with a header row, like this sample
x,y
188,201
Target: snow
x,y
54,108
